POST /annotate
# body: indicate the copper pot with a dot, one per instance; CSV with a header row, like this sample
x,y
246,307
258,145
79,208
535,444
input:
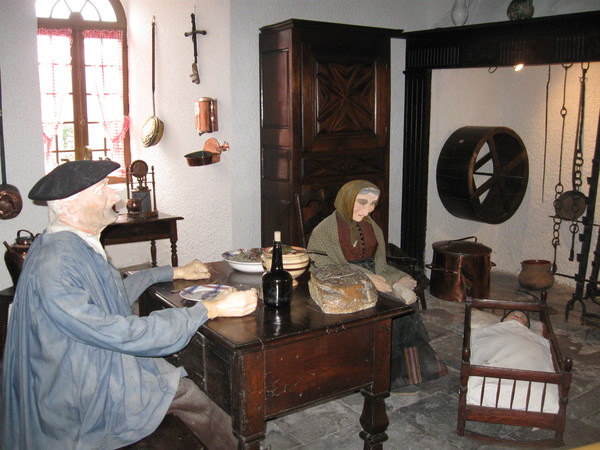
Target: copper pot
x,y
15,253
457,264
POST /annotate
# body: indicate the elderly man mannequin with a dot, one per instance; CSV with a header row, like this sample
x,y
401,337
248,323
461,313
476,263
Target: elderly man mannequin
x,y
80,370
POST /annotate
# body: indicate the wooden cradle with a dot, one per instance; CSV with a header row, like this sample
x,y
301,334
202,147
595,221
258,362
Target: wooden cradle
x,y
502,415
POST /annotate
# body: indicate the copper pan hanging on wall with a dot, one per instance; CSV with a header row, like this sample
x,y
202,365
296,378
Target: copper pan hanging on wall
x,y
11,201
152,130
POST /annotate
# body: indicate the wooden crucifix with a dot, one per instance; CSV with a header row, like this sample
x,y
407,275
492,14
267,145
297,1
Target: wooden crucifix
x,y
195,75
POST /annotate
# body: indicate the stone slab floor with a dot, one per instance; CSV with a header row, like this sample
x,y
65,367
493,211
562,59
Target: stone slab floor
x,y
427,419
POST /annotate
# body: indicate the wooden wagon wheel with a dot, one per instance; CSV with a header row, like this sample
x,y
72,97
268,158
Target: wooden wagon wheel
x,y
482,173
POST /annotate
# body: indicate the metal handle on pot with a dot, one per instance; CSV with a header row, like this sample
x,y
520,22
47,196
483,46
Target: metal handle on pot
x,y
465,238
441,269
470,277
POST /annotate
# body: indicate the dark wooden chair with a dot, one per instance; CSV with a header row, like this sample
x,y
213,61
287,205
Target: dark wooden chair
x,y
316,204
312,207
400,260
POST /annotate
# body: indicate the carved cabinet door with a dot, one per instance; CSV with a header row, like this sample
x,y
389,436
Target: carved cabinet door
x,y
325,112
346,97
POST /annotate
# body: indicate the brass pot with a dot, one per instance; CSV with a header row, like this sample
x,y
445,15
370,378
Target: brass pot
x,y
457,264
152,131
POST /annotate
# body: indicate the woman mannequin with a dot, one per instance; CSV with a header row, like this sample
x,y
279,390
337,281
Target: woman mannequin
x,y
349,235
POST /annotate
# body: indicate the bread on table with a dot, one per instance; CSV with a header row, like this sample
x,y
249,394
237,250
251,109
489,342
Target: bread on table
x,y
341,289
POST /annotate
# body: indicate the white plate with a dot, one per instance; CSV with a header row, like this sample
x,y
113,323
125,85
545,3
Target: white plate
x,y
242,266
203,291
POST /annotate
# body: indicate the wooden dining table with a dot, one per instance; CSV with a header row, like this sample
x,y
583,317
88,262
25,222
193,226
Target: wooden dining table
x,y
277,361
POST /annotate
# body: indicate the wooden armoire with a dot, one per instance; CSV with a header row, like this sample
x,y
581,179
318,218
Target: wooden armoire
x,y
325,117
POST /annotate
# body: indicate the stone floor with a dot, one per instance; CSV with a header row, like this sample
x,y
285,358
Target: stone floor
x,y
427,419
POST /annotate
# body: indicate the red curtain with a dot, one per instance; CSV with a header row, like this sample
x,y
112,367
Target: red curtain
x,y
104,80
54,57
104,77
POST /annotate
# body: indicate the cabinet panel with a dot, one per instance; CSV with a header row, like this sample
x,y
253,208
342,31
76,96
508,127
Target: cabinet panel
x,y
345,111
276,163
344,164
275,86
325,112
280,216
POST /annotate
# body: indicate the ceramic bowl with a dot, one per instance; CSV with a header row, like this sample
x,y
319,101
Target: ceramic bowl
x,y
295,262
242,266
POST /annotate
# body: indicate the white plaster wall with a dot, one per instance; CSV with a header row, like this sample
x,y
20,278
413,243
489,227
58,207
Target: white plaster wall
x,y
250,15
220,203
202,195
516,100
21,116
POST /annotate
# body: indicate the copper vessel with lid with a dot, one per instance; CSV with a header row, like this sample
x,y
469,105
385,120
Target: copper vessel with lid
x,y
457,264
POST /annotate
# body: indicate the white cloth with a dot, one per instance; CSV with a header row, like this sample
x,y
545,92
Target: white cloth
x,y
408,295
511,345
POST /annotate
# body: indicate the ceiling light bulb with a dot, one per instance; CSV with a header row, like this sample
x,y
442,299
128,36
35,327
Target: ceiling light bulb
x,y
518,67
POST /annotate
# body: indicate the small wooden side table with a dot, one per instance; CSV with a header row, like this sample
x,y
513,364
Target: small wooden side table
x,y
126,230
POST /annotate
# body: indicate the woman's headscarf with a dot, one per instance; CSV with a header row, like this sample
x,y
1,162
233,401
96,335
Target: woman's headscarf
x,y
344,203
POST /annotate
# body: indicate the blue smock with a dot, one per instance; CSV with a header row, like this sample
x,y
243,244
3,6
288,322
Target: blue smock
x,y
80,371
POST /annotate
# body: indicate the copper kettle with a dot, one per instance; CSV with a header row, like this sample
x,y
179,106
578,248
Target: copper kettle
x,y
15,254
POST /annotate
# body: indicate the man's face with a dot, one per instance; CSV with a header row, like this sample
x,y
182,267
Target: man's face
x,y
94,206
364,205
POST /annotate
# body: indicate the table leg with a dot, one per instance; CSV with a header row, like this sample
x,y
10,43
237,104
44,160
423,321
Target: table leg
x,y
153,251
374,418
248,400
174,260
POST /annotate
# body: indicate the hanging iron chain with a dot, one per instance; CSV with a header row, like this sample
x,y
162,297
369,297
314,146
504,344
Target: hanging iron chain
x,y
555,240
559,188
546,132
578,155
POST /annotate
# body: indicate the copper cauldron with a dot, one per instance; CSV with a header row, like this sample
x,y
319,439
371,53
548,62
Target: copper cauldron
x,y
457,264
15,254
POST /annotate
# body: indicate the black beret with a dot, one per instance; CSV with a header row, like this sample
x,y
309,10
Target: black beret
x,y
70,178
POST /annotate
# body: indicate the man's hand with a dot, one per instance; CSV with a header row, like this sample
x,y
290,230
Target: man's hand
x,y
232,304
194,270
380,283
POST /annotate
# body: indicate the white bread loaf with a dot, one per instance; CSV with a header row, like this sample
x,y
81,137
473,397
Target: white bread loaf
x,y
341,289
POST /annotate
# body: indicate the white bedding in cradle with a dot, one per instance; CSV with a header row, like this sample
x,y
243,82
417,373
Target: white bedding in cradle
x,y
513,346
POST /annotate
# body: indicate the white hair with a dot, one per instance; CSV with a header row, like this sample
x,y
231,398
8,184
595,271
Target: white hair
x,y
56,207
369,190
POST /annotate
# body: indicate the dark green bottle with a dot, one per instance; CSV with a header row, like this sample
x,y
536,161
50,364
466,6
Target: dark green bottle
x,y
277,282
